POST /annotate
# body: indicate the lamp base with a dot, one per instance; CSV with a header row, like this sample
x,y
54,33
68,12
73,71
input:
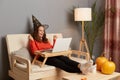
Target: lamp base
x,y
83,46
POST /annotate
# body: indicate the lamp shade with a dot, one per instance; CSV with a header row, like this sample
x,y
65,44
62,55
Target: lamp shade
x,y
82,14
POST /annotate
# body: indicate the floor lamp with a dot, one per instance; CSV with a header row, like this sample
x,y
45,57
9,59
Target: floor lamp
x,y
83,14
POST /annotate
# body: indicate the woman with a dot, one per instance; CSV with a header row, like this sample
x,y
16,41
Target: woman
x,y
39,42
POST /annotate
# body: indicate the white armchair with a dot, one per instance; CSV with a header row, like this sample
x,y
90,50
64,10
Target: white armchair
x,y
20,59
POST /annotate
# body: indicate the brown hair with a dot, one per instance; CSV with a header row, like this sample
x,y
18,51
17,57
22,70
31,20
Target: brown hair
x,y
36,37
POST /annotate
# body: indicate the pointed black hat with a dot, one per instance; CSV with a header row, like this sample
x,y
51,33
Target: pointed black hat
x,y
36,23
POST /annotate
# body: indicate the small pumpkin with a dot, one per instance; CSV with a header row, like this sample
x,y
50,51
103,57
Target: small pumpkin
x,y
108,67
99,61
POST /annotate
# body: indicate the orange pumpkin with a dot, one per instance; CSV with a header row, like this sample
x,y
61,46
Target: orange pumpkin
x,y
108,67
99,61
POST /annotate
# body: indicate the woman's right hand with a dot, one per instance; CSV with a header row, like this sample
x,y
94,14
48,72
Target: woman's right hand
x,y
30,37
54,37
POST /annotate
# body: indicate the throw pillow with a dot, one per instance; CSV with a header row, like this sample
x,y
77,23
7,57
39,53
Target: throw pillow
x,y
23,52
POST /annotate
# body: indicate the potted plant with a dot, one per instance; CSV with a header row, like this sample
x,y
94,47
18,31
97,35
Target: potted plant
x,y
94,28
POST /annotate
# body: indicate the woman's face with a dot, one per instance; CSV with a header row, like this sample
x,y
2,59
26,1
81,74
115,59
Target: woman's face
x,y
41,31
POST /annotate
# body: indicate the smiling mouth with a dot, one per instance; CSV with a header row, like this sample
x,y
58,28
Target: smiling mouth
x,y
41,34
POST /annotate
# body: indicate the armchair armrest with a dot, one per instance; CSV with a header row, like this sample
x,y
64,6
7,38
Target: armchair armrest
x,y
86,54
22,60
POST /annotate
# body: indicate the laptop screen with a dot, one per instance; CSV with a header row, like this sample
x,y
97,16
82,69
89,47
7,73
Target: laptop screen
x,y
62,44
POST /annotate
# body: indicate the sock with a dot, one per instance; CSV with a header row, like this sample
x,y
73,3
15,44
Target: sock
x,y
85,66
92,69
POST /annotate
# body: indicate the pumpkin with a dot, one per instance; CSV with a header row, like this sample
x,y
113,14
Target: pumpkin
x,y
108,67
84,78
99,61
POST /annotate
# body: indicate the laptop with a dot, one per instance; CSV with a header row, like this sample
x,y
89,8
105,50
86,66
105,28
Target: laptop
x,y
61,44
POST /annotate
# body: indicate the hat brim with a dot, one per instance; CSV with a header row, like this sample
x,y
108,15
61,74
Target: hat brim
x,y
45,26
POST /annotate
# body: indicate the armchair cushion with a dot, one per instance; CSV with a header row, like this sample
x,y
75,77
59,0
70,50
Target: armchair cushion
x,y
23,52
35,68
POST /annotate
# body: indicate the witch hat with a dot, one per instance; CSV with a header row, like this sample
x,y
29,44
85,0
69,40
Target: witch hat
x,y
36,23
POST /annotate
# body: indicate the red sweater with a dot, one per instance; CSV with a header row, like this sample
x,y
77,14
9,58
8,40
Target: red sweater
x,y
35,46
